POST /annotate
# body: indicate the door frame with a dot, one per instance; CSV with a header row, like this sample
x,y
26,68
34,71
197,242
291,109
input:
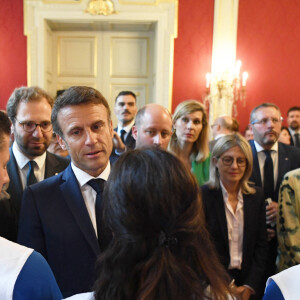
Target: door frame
x,y
162,14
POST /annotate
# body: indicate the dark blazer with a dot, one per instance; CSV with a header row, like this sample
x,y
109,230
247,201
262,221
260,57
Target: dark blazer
x,y
288,159
292,140
55,222
54,165
255,235
129,141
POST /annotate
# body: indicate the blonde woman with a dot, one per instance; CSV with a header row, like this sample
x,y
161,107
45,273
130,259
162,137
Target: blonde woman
x,y
189,141
235,215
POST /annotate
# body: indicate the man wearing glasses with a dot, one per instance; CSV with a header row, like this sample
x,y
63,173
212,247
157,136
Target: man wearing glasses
x,y
271,160
29,109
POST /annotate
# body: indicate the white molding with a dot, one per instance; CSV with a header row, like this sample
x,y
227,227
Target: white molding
x,y
224,51
163,16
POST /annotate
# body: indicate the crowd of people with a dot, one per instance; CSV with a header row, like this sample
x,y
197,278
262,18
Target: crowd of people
x,y
151,209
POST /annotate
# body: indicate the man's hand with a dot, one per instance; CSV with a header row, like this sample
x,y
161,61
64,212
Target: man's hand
x,y
243,292
271,212
118,144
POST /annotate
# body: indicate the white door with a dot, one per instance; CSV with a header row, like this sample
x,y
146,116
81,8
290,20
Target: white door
x,y
110,61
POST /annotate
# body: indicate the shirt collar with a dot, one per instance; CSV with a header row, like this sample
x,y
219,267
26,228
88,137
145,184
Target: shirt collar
x,y
219,135
83,177
259,148
225,194
292,132
23,160
126,128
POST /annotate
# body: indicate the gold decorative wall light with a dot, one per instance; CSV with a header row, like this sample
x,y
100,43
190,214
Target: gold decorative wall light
x,y
101,7
228,87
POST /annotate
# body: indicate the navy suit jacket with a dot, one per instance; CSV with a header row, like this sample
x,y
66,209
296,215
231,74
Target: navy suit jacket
x,y
55,222
11,211
288,159
254,238
129,141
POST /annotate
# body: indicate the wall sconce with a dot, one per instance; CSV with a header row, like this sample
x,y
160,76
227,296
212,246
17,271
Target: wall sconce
x,y
227,88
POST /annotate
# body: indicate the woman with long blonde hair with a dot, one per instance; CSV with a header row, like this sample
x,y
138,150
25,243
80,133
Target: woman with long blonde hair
x,y
189,141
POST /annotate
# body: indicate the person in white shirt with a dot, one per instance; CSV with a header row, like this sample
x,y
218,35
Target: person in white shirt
x,y
29,110
61,217
24,273
293,120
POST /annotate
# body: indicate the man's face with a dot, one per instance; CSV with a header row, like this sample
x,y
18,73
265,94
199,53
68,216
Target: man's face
x,y
155,130
4,158
267,126
293,120
87,135
32,144
125,109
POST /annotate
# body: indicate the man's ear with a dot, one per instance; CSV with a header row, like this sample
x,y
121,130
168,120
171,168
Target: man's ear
x,y
61,142
12,128
134,132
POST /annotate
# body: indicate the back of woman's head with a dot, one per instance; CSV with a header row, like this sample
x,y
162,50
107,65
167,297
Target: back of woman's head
x,y
160,244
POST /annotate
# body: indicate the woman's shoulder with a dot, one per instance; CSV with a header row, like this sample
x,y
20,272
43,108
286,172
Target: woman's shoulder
x,y
83,296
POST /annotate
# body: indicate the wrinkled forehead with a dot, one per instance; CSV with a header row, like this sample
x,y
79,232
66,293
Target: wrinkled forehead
x,y
267,112
158,120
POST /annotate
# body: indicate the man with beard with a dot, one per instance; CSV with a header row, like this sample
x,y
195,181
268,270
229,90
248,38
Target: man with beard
x,y
125,110
153,127
293,120
271,161
29,109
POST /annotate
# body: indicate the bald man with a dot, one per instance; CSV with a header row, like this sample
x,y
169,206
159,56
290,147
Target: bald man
x,y
222,126
153,126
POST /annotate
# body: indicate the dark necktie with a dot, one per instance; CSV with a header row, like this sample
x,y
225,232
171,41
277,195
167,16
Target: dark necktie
x,y
30,178
268,176
297,140
123,132
98,185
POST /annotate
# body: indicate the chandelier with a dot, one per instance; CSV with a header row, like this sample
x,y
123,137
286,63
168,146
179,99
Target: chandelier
x,y
228,87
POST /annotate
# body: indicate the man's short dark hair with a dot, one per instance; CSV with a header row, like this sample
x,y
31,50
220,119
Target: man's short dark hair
x,y
126,93
263,105
25,94
76,95
293,108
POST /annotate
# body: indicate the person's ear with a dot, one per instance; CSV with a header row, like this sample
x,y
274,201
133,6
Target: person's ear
x,y
61,142
134,132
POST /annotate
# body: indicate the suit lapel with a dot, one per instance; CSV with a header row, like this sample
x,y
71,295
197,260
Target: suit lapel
x,y
73,197
15,188
51,165
221,216
248,215
283,164
256,170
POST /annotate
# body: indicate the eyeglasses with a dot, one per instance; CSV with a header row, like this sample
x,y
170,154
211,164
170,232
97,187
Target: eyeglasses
x,y
264,121
30,126
228,160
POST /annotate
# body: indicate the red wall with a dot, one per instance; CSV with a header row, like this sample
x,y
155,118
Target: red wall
x,y
193,49
13,70
268,44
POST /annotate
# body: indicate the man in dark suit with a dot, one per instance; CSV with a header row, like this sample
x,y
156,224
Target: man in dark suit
x,y
265,121
125,110
61,217
293,120
29,109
